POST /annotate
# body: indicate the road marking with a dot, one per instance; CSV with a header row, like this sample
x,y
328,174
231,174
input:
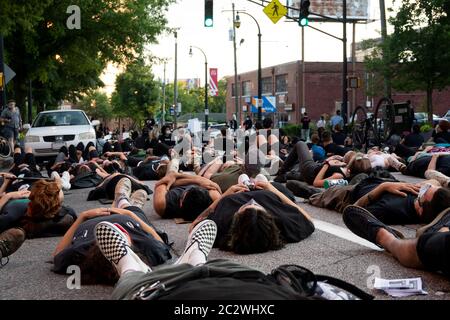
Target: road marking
x,y
344,234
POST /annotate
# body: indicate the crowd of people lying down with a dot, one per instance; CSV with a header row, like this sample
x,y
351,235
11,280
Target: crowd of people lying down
x,y
238,191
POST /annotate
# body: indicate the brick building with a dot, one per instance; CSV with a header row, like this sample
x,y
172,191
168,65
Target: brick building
x,y
323,91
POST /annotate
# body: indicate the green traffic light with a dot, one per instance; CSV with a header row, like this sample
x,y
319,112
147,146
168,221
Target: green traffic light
x,y
208,22
304,22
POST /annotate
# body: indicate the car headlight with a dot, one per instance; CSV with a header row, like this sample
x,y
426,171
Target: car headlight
x,y
31,139
86,136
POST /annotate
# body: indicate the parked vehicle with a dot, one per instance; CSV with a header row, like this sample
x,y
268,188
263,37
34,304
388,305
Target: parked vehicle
x,y
421,118
53,129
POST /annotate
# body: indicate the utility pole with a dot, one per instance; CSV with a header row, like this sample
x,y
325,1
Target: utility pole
x,y
236,86
353,106
387,82
175,81
303,77
344,65
163,119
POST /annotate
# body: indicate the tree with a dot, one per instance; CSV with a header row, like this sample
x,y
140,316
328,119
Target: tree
x,y
418,51
97,105
137,92
64,63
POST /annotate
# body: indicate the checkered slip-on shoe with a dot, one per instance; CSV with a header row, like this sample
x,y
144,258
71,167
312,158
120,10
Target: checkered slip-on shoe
x,y
112,241
204,234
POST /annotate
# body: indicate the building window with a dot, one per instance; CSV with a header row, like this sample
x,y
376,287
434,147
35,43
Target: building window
x,y
233,90
281,83
267,85
246,88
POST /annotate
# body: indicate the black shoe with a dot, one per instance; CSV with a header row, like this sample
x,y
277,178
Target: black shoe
x,y
362,223
441,221
302,189
10,241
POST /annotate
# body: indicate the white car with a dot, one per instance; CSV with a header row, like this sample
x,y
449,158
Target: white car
x,y
53,129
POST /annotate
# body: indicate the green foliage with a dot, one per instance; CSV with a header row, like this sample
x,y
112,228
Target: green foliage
x,y
292,130
65,63
137,93
97,105
426,127
417,54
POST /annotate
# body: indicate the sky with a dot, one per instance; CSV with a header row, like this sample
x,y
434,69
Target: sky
x,y
281,42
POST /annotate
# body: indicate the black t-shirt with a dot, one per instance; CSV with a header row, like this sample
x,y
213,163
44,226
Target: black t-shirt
x,y
332,170
445,135
339,138
334,149
167,140
413,140
293,225
147,171
418,167
154,251
389,208
14,211
305,123
173,196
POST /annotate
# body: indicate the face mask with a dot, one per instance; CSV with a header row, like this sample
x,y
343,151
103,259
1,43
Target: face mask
x,y
252,202
423,190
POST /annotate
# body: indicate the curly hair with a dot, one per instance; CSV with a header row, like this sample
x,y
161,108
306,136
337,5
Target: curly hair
x,y
44,200
254,231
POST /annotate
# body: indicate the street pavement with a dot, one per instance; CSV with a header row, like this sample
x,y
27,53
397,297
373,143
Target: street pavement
x,y
331,250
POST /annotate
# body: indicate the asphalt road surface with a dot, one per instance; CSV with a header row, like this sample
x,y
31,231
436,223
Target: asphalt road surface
x,y
331,250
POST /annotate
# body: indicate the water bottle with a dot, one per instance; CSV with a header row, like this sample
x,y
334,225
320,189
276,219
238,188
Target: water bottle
x,y
334,182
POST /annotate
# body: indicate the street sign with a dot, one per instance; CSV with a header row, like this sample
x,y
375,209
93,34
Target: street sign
x,y
268,104
9,74
275,11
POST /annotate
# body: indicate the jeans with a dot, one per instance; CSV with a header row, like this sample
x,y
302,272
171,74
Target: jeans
x,y
308,168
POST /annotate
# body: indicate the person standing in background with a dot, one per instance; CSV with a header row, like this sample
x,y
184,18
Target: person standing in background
x,y
305,127
12,122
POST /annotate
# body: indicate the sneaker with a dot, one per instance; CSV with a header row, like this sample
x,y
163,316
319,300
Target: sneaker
x,y
302,189
122,191
138,198
10,241
201,239
65,181
438,176
114,245
441,221
362,223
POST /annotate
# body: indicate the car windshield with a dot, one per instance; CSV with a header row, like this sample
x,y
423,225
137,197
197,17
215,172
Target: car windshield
x,y
68,118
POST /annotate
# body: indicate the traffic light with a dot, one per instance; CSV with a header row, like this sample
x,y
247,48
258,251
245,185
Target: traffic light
x,y
208,13
303,20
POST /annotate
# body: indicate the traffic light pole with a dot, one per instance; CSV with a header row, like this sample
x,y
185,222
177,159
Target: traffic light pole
x,y
344,65
236,86
175,82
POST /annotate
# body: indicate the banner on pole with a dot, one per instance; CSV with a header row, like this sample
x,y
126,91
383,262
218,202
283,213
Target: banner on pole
x,y
213,82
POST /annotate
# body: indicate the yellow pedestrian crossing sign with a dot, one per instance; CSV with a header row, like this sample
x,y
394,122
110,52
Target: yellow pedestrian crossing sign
x,y
275,11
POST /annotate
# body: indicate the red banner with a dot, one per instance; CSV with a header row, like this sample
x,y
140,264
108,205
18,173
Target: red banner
x,y
213,82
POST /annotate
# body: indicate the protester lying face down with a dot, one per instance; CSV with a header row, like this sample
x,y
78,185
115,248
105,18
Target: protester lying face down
x,y
253,230
194,201
45,200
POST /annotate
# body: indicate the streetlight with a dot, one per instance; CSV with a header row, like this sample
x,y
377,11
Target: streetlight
x,y
237,24
206,84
